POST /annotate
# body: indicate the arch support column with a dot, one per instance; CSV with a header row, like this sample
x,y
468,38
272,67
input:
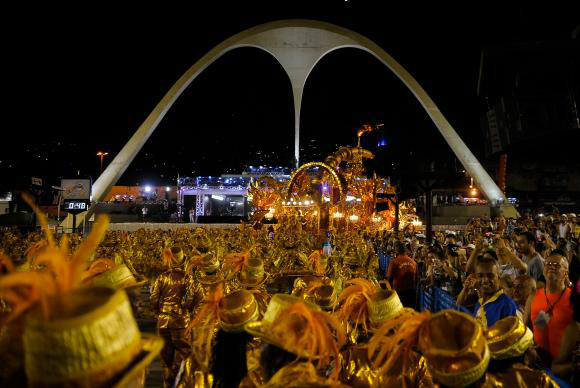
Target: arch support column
x,y
297,45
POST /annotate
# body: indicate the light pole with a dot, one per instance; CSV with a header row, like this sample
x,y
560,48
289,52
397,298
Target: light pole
x,y
102,155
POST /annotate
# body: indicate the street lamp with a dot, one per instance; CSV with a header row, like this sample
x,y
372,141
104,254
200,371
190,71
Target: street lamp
x,y
102,155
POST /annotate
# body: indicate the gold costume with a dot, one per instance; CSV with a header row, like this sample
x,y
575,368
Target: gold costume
x,y
358,372
167,301
519,376
509,338
301,375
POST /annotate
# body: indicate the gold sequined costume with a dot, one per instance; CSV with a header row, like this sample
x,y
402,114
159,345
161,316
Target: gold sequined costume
x,y
169,303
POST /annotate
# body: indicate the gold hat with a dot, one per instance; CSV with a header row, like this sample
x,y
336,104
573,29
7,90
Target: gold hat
x,y
455,347
385,305
236,310
94,342
209,263
301,328
253,273
177,253
508,338
326,297
370,304
211,280
118,277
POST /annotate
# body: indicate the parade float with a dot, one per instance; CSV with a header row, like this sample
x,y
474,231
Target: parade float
x,y
334,194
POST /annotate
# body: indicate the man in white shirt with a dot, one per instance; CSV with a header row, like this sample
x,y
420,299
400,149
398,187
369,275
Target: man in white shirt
x,y
563,227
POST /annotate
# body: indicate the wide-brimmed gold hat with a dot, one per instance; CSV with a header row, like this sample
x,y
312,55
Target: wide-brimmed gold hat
x,y
385,305
508,337
253,273
177,253
93,342
118,277
369,305
211,280
236,310
209,263
301,328
326,297
455,347
263,328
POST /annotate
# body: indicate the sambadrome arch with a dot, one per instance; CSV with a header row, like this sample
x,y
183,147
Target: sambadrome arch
x,y
297,45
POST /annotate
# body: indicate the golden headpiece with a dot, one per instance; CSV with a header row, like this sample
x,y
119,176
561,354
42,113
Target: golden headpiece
x,y
301,328
230,312
76,336
453,344
508,338
318,262
172,257
326,297
253,273
368,305
118,277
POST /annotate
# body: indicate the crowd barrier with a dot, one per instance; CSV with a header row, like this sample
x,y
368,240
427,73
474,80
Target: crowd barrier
x,y
435,299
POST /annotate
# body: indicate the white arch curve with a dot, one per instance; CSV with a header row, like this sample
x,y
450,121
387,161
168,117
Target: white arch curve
x,y
297,45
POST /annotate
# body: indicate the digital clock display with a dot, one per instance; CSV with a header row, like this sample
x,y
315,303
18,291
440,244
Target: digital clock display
x,y
75,206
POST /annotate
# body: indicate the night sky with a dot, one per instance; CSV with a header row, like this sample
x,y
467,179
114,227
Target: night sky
x,y
80,81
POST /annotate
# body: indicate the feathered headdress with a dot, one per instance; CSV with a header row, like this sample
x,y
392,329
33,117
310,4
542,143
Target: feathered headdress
x,y
203,325
194,262
235,262
34,250
386,348
355,298
167,258
310,333
315,260
63,272
98,267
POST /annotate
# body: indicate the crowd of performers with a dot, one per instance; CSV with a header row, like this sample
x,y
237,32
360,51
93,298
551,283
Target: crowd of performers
x,y
267,306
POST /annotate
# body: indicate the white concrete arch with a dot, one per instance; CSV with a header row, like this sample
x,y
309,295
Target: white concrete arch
x,y
297,45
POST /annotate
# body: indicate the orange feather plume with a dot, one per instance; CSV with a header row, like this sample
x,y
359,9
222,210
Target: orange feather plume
x,y
6,262
235,262
203,325
385,348
355,298
167,258
317,334
315,260
34,250
41,218
23,290
98,267
194,262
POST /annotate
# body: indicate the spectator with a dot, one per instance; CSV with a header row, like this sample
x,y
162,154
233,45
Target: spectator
x,y
507,285
533,260
469,248
510,263
441,273
542,249
563,227
493,304
402,274
468,297
567,364
550,311
524,287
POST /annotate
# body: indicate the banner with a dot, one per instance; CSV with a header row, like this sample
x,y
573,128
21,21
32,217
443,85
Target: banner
x,y
76,188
